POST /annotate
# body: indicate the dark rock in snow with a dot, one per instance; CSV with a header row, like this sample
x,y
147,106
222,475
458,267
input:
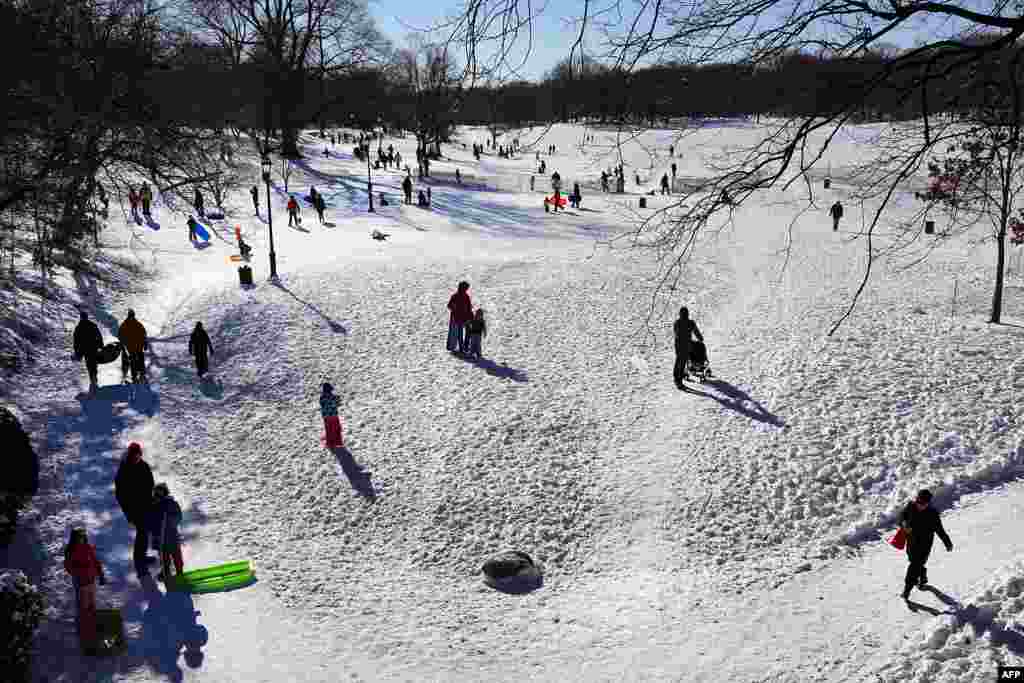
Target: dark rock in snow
x,y
512,571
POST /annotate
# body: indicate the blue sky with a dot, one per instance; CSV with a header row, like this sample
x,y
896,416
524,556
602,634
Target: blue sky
x,y
398,18
554,35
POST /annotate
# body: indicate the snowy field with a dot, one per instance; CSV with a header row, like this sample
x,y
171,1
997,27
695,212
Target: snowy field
x,y
729,532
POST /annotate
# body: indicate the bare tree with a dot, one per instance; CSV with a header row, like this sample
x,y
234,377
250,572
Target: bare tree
x,y
294,41
436,87
960,36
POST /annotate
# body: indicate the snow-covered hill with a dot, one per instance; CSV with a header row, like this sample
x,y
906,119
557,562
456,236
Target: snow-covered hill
x,y
685,535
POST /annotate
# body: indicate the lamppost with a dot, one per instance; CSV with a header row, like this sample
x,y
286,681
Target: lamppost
x,y
265,165
369,178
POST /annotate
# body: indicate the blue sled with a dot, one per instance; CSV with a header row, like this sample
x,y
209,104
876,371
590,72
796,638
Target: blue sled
x,y
201,232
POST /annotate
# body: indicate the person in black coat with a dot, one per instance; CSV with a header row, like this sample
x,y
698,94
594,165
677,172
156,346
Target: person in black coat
x,y
684,328
88,342
921,523
836,211
199,346
133,488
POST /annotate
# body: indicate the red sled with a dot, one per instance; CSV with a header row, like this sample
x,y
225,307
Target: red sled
x,y
899,540
562,201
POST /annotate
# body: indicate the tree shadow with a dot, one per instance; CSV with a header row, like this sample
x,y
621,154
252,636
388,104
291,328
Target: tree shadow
x,y
357,476
738,400
491,368
335,326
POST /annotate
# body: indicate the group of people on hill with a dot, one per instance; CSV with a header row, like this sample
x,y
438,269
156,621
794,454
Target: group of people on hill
x,y
134,342
156,517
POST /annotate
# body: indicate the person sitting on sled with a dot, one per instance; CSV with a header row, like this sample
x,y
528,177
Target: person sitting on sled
x,y
85,570
163,520
329,412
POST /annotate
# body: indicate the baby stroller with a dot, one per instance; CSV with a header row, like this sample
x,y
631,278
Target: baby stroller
x,y
698,365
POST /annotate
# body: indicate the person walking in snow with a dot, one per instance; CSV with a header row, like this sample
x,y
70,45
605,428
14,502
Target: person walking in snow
x,y
133,488
191,222
684,329
320,207
458,177
664,184
133,199
461,308
255,199
407,189
162,521
476,330
329,412
134,343
146,195
921,522
293,212
85,569
199,346
836,211
673,173
88,341
198,203
556,185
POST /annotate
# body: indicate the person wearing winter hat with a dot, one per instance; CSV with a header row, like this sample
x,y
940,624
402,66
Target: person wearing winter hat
x,y
329,412
921,522
163,520
133,488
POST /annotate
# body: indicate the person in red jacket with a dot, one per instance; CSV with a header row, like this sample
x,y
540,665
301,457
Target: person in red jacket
x,y
80,561
462,312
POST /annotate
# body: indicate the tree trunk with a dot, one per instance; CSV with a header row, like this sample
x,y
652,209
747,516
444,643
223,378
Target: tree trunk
x,y
997,294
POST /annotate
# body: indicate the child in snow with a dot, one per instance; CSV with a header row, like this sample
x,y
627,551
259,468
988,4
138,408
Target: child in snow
x,y
163,520
191,229
133,199
293,212
329,412
85,570
147,199
476,330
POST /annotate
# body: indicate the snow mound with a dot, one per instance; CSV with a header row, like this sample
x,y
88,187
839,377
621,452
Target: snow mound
x,y
967,642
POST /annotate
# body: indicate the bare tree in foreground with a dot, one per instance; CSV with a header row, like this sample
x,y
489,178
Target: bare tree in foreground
x,y
958,39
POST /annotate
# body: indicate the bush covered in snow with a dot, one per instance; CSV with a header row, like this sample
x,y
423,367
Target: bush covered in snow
x,y
21,609
21,473
968,642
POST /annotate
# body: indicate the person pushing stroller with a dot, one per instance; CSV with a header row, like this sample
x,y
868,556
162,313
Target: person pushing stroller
x,y
690,354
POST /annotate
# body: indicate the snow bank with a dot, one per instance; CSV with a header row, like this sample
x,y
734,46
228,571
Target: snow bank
x,y
966,642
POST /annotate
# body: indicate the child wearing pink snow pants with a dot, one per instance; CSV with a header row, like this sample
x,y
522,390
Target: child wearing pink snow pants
x,y
329,411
